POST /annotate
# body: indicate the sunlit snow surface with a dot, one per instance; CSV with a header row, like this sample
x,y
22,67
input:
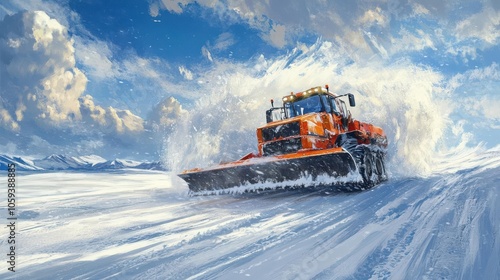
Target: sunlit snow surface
x,y
144,225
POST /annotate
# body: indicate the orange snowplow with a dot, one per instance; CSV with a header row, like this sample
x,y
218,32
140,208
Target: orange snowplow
x,y
312,140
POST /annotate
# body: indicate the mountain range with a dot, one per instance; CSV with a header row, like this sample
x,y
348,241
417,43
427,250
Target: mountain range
x,y
63,162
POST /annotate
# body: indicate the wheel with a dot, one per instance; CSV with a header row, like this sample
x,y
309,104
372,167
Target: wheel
x,y
366,169
380,167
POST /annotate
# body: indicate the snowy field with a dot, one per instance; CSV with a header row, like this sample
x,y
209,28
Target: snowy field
x,y
145,225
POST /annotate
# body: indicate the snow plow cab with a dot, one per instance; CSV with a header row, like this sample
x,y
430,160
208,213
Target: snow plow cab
x,y
311,141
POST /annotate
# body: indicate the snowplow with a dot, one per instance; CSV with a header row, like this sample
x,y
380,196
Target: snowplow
x,y
310,141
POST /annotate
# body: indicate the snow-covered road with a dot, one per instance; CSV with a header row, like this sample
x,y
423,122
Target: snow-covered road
x,y
144,225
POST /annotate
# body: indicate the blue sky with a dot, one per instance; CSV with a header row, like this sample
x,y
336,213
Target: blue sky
x,y
189,81
131,27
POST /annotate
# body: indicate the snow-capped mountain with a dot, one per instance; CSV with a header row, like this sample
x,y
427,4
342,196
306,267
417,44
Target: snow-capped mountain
x,y
121,164
22,163
63,162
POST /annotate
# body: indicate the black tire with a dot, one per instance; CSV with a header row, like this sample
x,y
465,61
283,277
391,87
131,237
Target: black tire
x,y
366,169
380,167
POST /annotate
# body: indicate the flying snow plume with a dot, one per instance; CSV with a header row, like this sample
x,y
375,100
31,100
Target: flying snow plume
x,y
406,100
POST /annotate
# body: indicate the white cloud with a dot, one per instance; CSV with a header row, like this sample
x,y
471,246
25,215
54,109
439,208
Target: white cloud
x,y
374,16
419,9
188,75
111,119
475,77
476,93
464,52
489,107
39,73
483,25
416,40
125,121
491,72
166,114
147,78
154,9
7,121
173,5
224,41
43,90
53,9
89,109
96,56
152,77
206,53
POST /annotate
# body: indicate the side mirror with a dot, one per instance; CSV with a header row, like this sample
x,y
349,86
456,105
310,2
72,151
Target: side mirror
x,y
352,102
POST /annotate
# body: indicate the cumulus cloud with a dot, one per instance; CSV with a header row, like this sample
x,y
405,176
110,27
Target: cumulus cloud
x,y
111,119
43,92
40,80
166,114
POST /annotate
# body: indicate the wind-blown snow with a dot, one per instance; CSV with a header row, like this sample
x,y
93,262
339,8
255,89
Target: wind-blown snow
x,y
144,225
412,103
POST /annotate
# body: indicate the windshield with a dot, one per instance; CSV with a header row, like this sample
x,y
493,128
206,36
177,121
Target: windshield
x,y
305,106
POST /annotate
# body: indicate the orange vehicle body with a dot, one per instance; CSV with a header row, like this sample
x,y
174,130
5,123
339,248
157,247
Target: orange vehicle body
x,y
312,135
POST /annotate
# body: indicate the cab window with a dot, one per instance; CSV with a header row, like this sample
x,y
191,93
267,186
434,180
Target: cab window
x,y
307,105
326,102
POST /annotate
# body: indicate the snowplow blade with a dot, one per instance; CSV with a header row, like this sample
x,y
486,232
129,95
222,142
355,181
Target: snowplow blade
x,y
313,168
